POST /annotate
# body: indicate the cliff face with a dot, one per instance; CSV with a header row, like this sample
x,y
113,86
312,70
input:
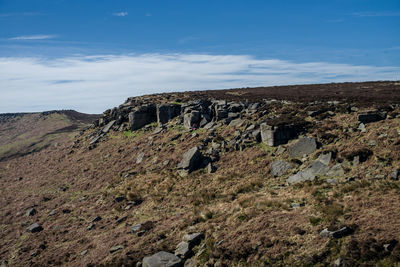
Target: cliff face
x,y
193,179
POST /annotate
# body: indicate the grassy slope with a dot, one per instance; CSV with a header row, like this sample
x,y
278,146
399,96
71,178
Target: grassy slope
x,y
35,131
241,204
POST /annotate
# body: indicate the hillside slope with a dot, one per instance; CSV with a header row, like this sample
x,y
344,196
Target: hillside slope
x,y
263,182
24,133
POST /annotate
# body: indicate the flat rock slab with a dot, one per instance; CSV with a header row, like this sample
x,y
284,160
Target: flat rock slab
x,y
304,146
162,259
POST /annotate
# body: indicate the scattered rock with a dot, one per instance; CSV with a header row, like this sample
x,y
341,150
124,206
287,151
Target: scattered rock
x,y
119,199
34,228
139,158
108,126
83,253
116,248
297,205
161,259
96,219
30,212
141,228
342,232
91,227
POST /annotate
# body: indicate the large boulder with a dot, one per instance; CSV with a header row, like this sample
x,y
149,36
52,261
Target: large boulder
x,y
278,135
166,112
304,146
191,160
142,116
162,259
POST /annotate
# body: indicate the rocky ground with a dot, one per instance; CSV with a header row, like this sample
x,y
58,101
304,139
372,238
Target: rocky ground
x,y
225,178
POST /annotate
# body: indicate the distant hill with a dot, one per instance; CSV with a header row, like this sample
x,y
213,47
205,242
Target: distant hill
x,y
24,133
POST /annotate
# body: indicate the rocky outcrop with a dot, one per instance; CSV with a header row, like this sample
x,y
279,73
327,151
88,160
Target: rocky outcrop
x,y
278,135
166,112
141,116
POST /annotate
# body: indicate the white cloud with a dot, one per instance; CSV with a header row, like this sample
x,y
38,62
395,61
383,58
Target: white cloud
x,y
95,83
33,37
121,14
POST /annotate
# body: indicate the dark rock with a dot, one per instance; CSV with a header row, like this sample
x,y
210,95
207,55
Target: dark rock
x,y
91,227
30,212
371,116
34,228
191,160
119,199
297,205
304,146
279,167
96,219
162,259
166,112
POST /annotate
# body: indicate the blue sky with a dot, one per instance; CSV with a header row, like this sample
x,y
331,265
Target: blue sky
x,y
91,55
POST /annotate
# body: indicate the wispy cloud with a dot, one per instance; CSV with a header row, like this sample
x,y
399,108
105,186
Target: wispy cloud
x,y
33,37
148,15
121,14
376,14
95,83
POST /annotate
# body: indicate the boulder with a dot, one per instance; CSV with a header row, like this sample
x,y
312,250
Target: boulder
x,y
280,167
166,112
162,259
304,146
395,174
191,160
